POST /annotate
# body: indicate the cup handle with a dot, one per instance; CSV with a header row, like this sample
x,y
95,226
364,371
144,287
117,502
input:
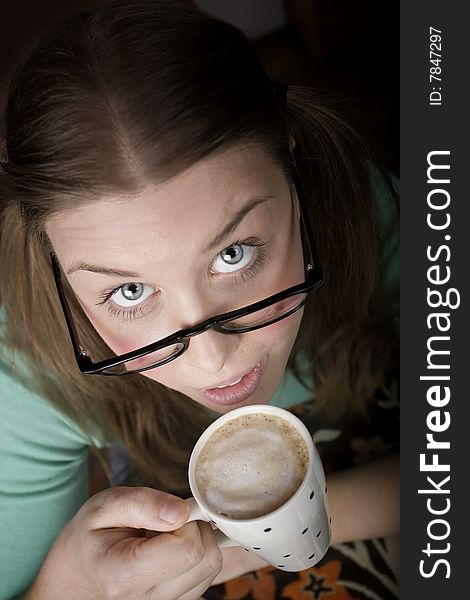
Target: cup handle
x,y
196,514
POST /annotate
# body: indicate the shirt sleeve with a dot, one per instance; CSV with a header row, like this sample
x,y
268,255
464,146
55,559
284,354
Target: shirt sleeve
x,y
43,481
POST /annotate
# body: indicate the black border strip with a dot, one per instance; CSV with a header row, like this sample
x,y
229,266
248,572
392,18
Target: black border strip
x,y
425,128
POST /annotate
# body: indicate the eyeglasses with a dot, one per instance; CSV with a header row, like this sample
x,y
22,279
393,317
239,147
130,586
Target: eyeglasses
x,y
250,318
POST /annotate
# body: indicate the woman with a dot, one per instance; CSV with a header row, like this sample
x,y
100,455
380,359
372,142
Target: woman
x,y
157,172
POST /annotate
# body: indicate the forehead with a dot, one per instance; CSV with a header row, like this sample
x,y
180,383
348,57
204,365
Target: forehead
x,y
189,206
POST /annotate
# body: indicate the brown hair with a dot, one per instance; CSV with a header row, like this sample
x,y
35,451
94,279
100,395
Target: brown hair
x,y
135,92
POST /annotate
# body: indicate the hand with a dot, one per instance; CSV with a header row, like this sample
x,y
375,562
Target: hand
x,y
104,553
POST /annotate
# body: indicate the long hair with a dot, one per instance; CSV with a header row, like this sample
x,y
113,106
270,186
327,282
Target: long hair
x,y
133,93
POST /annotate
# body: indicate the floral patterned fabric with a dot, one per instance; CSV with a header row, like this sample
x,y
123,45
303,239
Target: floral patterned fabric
x,y
365,570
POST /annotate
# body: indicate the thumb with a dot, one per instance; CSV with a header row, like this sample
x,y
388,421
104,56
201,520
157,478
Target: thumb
x,y
137,507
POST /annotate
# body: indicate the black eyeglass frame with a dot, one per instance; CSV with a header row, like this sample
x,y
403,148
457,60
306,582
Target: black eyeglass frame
x,y
313,280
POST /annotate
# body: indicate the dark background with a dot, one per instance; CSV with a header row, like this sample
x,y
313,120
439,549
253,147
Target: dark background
x,y
348,50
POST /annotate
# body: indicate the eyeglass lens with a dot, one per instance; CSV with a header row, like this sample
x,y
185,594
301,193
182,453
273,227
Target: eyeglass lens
x,y
261,318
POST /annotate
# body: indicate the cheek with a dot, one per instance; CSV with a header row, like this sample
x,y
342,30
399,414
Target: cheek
x,y
115,341
293,271
168,375
121,346
285,331
120,342
277,338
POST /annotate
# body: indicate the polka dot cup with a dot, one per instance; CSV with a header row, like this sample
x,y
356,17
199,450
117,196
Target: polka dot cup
x,y
293,537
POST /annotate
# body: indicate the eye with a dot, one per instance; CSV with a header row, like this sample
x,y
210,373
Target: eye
x,y
233,258
131,294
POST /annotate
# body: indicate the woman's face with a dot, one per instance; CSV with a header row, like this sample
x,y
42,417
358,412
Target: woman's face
x,y
217,237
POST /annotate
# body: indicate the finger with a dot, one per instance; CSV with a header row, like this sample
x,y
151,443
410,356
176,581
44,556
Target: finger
x,y
136,507
161,558
200,577
198,591
154,561
193,594
209,539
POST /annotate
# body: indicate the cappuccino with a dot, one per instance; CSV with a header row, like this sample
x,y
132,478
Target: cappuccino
x,y
251,465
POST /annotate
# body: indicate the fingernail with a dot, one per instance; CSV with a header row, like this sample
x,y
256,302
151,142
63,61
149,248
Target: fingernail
x,y
172,511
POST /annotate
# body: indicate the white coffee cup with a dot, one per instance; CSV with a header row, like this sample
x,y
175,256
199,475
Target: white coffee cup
x,y
294,536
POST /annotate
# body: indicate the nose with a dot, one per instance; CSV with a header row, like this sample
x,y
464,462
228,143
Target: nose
x,y
209,351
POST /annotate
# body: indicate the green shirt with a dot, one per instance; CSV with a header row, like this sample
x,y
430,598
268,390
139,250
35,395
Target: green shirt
x,y
44,468
43,481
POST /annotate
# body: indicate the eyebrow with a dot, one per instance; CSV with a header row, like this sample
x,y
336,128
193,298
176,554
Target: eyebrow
x,y
84,266
235,220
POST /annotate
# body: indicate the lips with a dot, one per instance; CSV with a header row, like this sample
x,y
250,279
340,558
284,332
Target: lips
x,y
238,389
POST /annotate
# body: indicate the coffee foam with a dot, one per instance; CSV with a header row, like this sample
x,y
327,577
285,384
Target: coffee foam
x,y
251,465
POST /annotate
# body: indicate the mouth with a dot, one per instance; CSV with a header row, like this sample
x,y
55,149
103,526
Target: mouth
x,y
237,390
